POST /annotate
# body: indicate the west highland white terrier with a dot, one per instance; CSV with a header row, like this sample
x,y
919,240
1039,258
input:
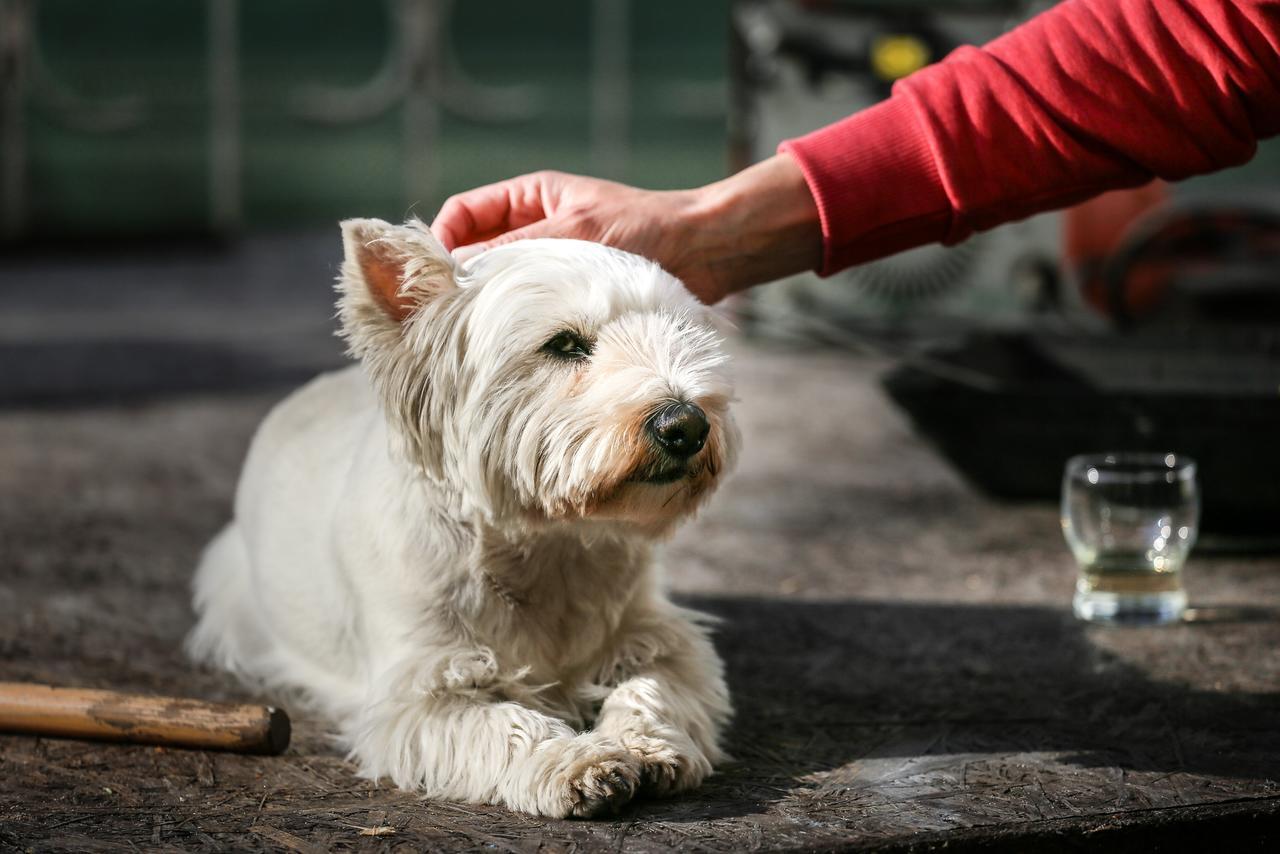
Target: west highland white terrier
x,y
446,550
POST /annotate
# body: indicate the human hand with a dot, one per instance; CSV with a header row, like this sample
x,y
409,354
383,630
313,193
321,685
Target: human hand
x,y
754,227
554,204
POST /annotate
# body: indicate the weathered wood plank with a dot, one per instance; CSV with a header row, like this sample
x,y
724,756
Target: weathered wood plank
x,y
906,671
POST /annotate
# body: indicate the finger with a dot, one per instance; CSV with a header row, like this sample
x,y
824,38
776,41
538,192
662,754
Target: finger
x,y
490,210
542,228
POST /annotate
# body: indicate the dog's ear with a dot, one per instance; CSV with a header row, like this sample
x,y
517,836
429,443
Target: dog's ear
x,y
388,272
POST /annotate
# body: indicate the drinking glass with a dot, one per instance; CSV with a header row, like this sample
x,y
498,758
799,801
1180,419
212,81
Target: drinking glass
x,y
1130,520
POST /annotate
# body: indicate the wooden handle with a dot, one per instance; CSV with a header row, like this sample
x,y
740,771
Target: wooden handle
x,y
110,715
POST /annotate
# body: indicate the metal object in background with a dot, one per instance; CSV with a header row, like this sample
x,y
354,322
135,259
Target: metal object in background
x,y
1207,393
801,66
236,125
1191,365
1194,263
225,201
419,61
14,20
612,73
421,72
26,78
24,73
610,86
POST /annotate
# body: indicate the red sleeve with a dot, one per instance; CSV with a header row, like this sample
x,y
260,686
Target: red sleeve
x,y
1090,96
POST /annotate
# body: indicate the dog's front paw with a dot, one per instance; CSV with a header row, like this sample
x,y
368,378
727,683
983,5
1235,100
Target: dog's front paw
x,y
668,765
604,785
588,775
470,670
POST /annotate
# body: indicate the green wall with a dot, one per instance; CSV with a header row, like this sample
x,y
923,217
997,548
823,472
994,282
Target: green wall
x,y
155,177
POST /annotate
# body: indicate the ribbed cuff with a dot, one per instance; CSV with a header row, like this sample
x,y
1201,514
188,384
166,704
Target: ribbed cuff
x,y
876,184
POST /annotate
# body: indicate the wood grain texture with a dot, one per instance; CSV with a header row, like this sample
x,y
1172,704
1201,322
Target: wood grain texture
x,y
141,719
901,652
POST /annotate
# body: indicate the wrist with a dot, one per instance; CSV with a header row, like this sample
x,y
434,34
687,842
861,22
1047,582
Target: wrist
x,y
769,195
760,224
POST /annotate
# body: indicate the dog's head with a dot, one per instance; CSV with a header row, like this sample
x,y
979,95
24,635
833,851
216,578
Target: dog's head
x,y
548,381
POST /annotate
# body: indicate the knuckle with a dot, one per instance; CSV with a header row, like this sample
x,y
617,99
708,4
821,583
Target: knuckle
x,y
582,214
580,223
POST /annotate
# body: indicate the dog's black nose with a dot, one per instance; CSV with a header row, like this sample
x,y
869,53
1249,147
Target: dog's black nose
x,y
679,429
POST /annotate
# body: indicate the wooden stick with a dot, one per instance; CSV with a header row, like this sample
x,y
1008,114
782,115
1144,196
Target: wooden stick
x,y
110,715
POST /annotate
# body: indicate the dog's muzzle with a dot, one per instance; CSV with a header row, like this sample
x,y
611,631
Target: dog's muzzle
x,y
677,432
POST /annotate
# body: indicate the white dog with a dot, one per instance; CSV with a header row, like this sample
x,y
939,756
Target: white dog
x,y
446,551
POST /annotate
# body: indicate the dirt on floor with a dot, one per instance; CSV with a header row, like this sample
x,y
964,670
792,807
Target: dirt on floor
x,y
900,650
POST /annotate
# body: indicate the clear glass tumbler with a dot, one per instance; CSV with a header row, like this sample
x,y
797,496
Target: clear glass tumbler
x,y
1130,520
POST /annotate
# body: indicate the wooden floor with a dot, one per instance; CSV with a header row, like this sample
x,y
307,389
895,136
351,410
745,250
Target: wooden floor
x,y
905,668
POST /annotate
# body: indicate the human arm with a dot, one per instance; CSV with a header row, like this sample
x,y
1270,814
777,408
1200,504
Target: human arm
x,y
755,226
1090,96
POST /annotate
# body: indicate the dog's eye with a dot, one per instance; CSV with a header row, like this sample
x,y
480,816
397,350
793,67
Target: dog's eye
x,y
566,345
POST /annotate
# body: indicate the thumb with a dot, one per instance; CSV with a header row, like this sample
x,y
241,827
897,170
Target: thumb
x,y
542,228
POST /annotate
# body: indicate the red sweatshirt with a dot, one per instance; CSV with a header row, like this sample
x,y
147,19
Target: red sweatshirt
x,y
1092,95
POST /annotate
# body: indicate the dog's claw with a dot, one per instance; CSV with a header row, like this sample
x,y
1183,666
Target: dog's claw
x,y
665,768
606,785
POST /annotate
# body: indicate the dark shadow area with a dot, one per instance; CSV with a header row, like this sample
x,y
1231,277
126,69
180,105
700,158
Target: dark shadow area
x,y
1046,397
76,373
1231,614
132,322
119,275
887,690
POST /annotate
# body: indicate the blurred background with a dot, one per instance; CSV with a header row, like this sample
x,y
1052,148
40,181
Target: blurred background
x,y
148,117
173,171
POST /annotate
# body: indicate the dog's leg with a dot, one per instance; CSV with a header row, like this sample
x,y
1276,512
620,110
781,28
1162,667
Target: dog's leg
x,y
452,736
227,633
671,703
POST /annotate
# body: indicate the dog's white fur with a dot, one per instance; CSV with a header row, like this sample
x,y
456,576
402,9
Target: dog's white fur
x,y
446,550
